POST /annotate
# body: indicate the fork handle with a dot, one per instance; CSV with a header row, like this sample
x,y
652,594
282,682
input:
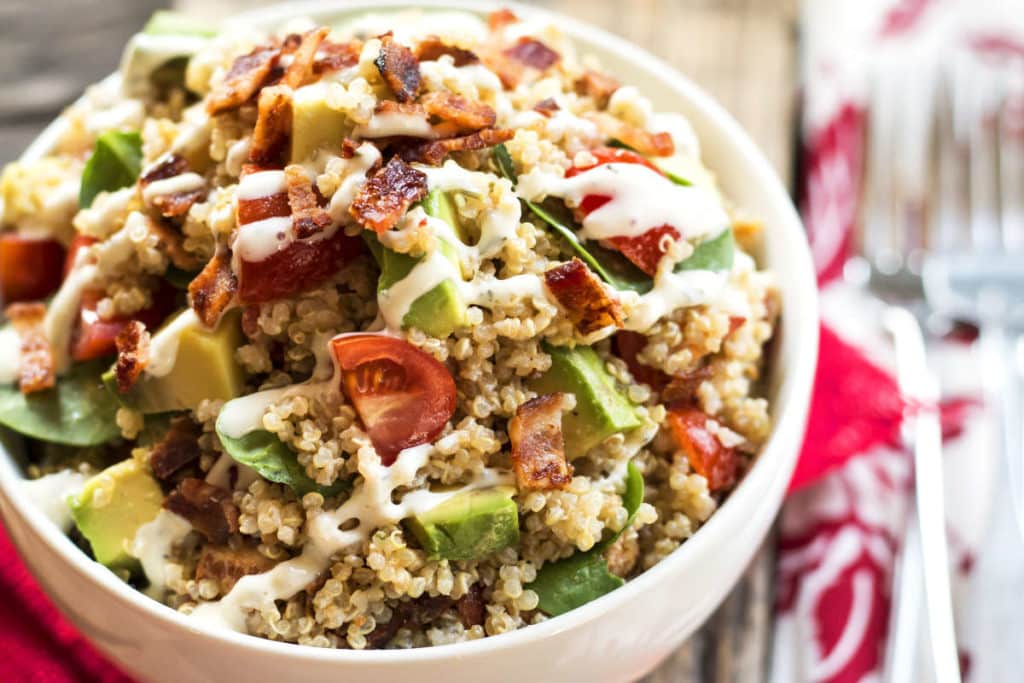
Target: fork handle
x,y
1002,381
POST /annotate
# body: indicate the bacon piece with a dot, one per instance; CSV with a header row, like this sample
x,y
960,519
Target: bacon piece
x,y
465,114
645,250
36,370
247,75
643,141
179,447
132,354
432,48
167,166
300,71
501,18
177,203
273,126
628,346
399,68
208,508
538,448
213,289
387,195
336,56
471,606
596,85
226,565
308,217
684,387
583,297
433,152
348,148
706,454
546,107
532,53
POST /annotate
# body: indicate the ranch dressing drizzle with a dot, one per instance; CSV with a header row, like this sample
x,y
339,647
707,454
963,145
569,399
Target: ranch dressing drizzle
x,y
370,505
50,494
152,546
163,348
261,184
641,199
186,182
366,157
387,124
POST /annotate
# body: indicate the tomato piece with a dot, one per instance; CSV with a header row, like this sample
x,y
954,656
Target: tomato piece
x,y
403,395
627,346
77,244
707,456
300,266
30,269
94,337
644,251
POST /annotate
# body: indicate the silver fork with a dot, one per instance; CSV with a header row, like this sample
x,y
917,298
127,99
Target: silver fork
x,y
894,237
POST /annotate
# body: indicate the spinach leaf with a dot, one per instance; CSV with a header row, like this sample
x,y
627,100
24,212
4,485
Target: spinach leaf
x,y
580,578
613,268
713,254
674,177
275,461
79,411
115,163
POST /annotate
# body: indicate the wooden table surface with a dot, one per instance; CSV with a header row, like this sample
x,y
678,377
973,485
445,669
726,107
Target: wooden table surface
x,y
742,51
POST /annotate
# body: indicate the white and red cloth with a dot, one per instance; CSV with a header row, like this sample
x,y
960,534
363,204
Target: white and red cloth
x,y
842,526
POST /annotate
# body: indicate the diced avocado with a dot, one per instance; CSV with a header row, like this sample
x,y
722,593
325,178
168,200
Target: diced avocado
x,y
204,367
469,526
601,409
315,125
112,506
441,310
440,205
157,57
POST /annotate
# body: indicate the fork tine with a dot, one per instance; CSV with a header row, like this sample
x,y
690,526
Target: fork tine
x,y
1011,147
878,218
981,110
950,219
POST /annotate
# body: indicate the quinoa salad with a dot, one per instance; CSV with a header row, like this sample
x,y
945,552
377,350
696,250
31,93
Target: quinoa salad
x,y
408,330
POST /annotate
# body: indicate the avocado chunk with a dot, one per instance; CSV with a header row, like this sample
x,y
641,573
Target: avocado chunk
x,y
441,310
469,526
156,58
601,409
314,124
204,366
112,506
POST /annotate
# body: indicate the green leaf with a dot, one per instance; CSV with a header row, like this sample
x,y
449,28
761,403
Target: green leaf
x,y
565,585
714,254
116,162
677,179
674,177
79,411
275,461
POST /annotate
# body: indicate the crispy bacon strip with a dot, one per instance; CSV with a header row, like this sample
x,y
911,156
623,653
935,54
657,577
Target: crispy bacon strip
x,y
208,508
177,203
643,141
132,354
273,126
532,53
433,152
546,107
179,447
399,68
387,195
583,297
465,114
538,448
471,606
501,18
336,56
36,370
432,48
596,85
167,166
247,75
308,217
300,71
226,565
213,290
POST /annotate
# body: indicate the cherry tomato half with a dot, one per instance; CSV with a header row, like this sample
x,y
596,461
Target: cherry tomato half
x,y
403,395
30,269
94,337
300,266
707,456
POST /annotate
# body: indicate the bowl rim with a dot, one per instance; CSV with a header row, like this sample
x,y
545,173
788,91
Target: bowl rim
x,y
771,465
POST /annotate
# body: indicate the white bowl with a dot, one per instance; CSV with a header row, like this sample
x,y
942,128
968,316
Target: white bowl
x,y
618,637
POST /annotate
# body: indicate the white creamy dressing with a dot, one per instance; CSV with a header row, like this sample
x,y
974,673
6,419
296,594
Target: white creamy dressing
x,y
641,199
50,494
62,312
220,473
163,347
10,354
366,157
674,290
244,414
387,124
261,184
185,182
153,544
237,155
370,505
